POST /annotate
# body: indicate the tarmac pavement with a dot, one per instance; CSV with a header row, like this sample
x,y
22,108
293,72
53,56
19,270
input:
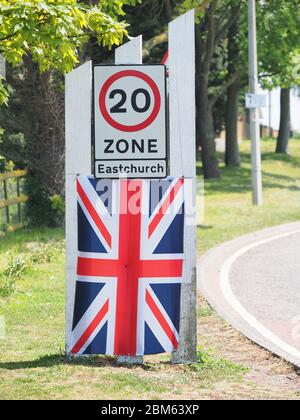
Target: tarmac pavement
x,y
254,283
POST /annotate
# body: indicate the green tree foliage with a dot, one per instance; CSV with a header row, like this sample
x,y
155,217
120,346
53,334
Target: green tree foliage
x,y
279,43
151,19
39,40
52,32
222,65
279,56
214,19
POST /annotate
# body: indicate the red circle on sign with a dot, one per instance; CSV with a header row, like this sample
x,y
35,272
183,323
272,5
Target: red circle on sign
x,y
113,79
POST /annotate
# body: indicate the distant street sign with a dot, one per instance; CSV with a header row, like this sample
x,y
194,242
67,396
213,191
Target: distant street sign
x,y
130,136
2,67
255,101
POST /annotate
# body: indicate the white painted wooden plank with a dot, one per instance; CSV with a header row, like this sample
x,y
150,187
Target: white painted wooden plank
x,y
183,163
130,53
78,119
182,96
187,351
78,161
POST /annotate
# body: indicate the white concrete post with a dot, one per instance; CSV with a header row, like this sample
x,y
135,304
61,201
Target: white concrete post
x,y
130,53
183,164
78,161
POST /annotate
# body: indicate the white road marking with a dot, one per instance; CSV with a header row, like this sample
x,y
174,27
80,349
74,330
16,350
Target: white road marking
x,y
240,309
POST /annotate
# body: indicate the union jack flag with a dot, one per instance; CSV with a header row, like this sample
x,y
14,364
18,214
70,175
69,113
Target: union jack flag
x,y
130,262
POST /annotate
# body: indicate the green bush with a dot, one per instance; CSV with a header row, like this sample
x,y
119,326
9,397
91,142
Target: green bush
x,y
58,209
6,166
41,209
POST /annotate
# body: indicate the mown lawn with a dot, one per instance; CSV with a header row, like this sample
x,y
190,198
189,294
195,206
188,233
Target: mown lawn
x,y
32,362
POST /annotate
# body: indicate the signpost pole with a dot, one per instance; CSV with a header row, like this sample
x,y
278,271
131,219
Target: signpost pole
x,y
183,164
130,53
270,114
254,115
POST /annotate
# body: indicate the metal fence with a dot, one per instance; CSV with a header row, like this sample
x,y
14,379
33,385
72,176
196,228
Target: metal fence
x,y
12,199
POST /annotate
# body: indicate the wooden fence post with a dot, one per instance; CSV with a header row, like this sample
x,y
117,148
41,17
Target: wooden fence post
x,y
19,204
78,161
183,164
6,198
18,200
130,53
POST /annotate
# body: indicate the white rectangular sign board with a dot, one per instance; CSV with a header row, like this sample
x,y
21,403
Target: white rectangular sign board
x,y
255,101
130,130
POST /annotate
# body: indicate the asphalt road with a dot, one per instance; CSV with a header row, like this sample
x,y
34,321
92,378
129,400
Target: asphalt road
x,y
266,281
253,282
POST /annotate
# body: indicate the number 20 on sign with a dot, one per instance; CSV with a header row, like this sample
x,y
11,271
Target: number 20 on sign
x,y
129,130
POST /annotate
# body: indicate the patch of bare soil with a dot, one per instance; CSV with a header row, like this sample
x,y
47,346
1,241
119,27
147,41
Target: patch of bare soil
x,y
269,377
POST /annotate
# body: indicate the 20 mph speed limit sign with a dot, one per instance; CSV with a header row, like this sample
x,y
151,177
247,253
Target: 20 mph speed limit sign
x,y
130,136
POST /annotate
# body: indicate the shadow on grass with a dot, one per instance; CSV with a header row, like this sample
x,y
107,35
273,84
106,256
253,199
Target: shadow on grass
x,y
238,180
45,361
281,157
205,227
59,360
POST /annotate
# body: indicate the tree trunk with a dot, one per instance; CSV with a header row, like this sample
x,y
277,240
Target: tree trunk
x,y
42,122
206,137
168,10
205,124
232,154
285,122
